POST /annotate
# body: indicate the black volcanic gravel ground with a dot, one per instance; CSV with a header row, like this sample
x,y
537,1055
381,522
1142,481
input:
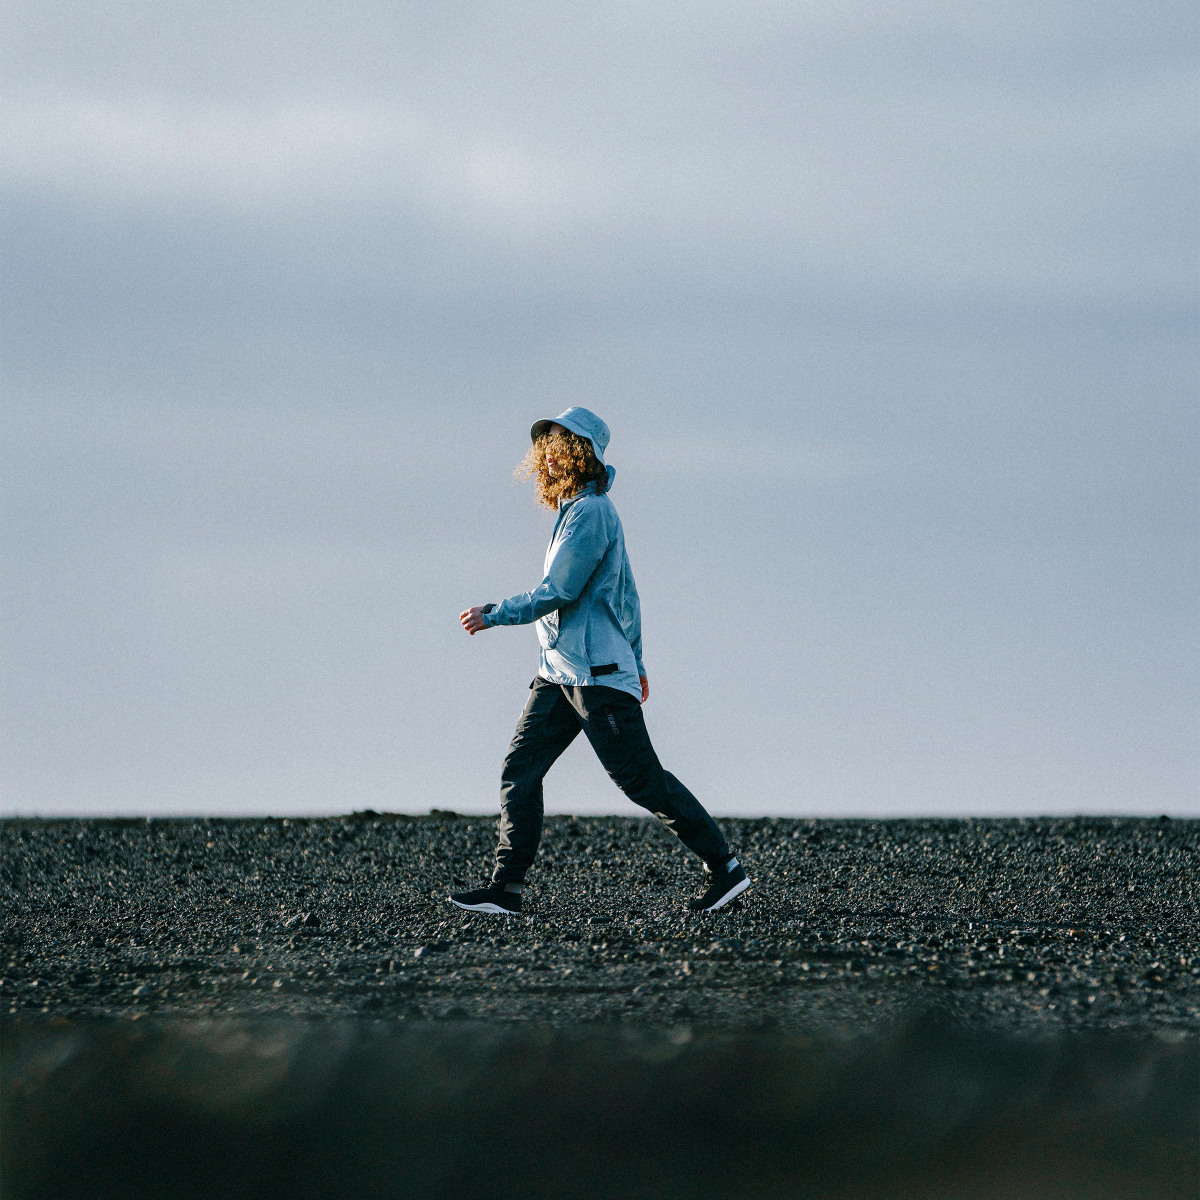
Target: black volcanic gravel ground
x,y
1082,923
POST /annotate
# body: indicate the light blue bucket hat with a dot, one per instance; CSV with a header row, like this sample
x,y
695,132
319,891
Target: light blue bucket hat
x,y
586,424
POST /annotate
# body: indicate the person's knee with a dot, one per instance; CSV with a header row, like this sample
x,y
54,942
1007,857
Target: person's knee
x,y
518,795
523,763
644,788
672,784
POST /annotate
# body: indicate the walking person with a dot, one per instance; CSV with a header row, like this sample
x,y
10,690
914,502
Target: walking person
x,y
591,676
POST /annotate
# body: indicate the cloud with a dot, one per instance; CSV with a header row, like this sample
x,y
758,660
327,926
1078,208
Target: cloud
x,y
886,303
868,142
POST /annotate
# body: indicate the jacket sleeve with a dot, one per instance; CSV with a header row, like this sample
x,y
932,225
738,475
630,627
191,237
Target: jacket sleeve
x,y
583,540
631,621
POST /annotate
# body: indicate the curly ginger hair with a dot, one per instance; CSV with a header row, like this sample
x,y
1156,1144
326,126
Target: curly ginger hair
x,y
576,463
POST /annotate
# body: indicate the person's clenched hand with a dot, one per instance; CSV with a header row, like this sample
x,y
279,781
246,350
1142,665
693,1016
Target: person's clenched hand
x,y
472,620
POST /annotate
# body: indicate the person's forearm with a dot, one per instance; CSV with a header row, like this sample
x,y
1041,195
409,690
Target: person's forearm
x,y
528,607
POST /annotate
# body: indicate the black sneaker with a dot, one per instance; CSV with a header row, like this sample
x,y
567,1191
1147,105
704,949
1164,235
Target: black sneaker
x,y
490,899
723,884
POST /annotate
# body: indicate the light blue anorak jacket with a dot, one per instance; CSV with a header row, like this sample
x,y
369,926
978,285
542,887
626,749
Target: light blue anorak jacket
x,y
587,609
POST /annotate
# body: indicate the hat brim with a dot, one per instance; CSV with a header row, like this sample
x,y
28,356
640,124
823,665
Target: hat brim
x,y
540,427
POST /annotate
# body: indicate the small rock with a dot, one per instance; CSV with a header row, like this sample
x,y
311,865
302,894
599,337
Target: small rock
x,y
305,920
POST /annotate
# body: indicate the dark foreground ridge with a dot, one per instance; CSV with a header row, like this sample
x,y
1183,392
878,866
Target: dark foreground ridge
x,y
279,1108
1090,923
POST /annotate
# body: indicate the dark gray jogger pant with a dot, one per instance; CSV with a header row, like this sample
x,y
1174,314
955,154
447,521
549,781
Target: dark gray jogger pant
x,y
613,723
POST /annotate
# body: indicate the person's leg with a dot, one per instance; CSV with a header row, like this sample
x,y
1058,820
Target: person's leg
x,y
547,727
613,723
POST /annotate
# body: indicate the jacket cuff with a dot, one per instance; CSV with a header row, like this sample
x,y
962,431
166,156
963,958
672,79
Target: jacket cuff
x,y
487,608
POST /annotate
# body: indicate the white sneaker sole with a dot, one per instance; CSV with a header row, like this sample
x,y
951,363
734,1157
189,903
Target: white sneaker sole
x,y
736,890
487,907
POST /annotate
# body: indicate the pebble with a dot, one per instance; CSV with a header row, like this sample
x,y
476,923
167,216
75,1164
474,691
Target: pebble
x,y
1090,922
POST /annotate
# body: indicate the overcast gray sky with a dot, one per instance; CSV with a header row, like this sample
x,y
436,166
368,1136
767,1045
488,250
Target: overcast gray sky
x,y
890,308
